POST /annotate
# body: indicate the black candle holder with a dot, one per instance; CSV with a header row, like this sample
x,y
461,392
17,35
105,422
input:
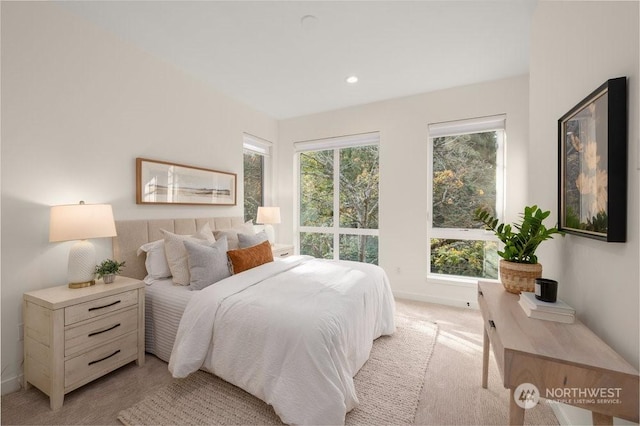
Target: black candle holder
x,y
546,290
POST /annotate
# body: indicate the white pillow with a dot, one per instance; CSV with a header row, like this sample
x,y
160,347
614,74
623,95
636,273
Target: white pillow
x,y
232,234
156,261
177,256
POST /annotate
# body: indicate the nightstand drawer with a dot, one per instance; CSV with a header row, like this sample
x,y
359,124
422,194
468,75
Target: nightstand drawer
x,y
282,250
102,329
94,308
282,253
99,361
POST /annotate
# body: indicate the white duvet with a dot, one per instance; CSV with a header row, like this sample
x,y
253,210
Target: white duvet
x,y
292,332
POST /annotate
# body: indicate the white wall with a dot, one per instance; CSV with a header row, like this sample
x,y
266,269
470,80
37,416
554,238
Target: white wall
x,y
78,106
577,46
402,124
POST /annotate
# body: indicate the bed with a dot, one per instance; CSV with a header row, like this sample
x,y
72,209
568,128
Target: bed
x,y
292,332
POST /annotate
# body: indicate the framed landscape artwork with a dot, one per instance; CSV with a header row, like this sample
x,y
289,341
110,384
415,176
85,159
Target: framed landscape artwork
x,y
592,139
159,182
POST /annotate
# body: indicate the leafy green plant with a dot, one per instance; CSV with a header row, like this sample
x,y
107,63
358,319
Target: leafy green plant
x,y
109,266
522,239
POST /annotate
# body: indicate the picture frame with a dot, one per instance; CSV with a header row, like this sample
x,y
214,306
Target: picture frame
x,y
592,165
161,182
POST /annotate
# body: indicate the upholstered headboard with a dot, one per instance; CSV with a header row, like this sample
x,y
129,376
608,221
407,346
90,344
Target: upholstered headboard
x,y
134,233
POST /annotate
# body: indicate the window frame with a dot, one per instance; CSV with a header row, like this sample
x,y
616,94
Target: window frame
x,y
454,128
335,144
255,145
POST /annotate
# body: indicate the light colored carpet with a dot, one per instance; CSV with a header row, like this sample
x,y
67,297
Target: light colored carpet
x,y
451,394
388,387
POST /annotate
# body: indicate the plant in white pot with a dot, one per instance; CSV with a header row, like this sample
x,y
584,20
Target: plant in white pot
x,y
519,265
108,269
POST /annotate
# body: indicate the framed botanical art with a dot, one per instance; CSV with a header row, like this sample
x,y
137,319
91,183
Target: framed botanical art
x,y
592,178
160,182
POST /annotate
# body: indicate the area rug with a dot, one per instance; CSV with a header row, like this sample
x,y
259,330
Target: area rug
x,y
388,387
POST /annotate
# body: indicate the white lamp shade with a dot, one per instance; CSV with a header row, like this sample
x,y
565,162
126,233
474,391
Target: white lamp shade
x,y
268,215
81,221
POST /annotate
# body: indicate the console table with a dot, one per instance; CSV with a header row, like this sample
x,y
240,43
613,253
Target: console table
x,y
566,362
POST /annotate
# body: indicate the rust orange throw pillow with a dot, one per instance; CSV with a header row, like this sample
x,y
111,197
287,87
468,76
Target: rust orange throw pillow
x,y
250,257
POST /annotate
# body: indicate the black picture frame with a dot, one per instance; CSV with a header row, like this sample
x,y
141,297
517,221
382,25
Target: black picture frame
x,y
592,169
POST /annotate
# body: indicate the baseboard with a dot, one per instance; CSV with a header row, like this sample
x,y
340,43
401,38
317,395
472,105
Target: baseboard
x,y
560,413
434,299
11,385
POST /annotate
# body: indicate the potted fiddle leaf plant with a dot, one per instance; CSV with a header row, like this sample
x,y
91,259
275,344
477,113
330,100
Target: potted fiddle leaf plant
x,y
108,269
519,265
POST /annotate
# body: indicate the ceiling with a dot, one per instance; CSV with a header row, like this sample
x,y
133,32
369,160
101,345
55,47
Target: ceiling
x,y
291,58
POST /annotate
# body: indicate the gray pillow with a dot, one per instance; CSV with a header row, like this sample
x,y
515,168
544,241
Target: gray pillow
x,y
177,255
207,263
246,240
232,234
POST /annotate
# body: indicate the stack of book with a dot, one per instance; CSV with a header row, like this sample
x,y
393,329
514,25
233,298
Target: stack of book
x,y
558,311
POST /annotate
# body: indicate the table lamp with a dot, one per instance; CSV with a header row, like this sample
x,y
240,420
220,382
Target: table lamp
x,y
268,216
81,222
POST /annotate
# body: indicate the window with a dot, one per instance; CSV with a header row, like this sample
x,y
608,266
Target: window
x,y
467,171
338,198
257,153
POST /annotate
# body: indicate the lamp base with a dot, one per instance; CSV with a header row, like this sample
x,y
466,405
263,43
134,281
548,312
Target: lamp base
x,y
83,284
271,234
82,265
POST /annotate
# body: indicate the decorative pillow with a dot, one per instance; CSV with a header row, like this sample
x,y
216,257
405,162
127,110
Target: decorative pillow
x,y
247,258
207,263
232,234
177,256
156,261
246,240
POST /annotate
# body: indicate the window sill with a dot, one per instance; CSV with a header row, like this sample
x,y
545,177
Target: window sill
x,y
456,281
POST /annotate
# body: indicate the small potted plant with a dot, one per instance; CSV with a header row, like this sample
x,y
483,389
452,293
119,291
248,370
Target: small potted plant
x,y
519,265
108,270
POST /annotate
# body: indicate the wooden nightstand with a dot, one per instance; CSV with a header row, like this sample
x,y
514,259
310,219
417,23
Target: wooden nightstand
x,y
282,250
74,336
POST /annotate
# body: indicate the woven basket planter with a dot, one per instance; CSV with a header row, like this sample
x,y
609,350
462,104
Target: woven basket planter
x,y
518,277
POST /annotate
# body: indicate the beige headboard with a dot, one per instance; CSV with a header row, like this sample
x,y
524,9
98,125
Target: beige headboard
x,y
134,233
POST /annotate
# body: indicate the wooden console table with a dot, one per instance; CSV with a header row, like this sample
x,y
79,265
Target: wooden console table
x,y
566,362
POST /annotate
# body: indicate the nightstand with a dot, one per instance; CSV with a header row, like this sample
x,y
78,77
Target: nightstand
x,y
282,250
74,336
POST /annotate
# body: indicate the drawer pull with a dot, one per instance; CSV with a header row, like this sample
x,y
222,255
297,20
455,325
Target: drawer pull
x,y
106,357
104,331
284,254
492,324
105,306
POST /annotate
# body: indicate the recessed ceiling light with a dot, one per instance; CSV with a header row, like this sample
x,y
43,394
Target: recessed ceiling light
x,y
309,22
352,79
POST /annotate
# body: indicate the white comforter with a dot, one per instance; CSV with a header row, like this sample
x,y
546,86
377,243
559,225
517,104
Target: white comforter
x,y
292,332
